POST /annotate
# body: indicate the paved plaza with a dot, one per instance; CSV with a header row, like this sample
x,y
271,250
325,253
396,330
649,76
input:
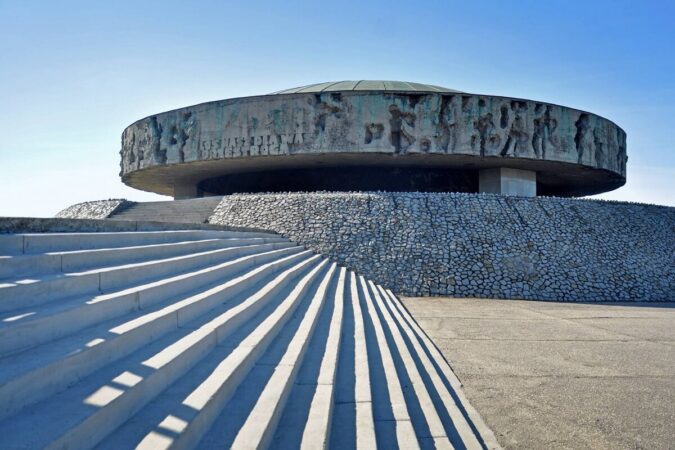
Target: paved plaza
x,y
561,375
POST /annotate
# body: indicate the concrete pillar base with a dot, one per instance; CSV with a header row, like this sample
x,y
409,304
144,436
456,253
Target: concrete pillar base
x,y
505,181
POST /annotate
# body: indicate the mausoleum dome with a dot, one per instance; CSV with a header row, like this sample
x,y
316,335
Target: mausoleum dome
x,y
374,136
367,85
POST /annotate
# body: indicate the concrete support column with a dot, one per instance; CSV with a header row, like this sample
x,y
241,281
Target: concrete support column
x,y
186,191
505,181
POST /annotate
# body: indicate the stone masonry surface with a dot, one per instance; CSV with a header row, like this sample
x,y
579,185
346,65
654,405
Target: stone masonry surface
x,y
367,122
170,152
99,209
478,245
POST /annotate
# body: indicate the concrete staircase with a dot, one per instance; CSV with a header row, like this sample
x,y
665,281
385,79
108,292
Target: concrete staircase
x,y
212,339
194,210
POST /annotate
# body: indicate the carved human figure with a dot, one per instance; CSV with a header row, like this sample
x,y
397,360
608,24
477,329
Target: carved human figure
x,y
329,120
374,132
464,129
148,135
600,144
326,106
185,132
621,157
158,155
543,135
128,149
401,125
143,144
584,139
488,136
517,136
446,124
176,134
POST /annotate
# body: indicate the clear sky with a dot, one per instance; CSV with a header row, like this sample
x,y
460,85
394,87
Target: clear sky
x,y
73,74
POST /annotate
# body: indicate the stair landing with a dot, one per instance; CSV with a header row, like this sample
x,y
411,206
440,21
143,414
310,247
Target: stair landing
x,y
194,210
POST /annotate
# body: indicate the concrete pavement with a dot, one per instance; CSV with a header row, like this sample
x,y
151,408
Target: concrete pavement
x,y
561,375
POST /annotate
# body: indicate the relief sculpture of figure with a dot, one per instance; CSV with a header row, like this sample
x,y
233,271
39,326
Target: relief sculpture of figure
x,y
621,159
374,132
128,149
488,136
175,138
517,137
329,122
543,136
465,131
186,131
584,137
446,124
401,125
326,106
143,144
621,152
600,142
150,150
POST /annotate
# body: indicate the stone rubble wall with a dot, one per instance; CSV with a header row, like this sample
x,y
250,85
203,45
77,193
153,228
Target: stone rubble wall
x,y
479,245
98,209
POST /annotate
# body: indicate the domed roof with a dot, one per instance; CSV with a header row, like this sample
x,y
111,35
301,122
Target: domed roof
x,y
367,85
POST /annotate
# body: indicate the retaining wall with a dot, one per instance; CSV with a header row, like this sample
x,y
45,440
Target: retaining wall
x,y
98,209
478,245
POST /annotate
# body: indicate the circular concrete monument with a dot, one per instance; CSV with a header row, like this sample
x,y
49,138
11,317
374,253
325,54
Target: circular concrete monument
x,y
374,135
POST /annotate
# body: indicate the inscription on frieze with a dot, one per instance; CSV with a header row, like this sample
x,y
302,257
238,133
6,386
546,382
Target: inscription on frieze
x,y
264,144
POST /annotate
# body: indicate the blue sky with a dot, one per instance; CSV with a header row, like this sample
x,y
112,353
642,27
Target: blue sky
x,y
73,74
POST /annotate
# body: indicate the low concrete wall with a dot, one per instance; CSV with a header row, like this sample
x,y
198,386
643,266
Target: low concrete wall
x,y
478,245
17,225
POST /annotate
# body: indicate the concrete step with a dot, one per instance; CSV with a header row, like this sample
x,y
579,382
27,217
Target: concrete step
x,y
316,433
261,423
256,343
155,412
403,428
196,210
29,376
208,399
25,293
430,418
270,389
26,328
32,243
80,260
98,405
445,382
